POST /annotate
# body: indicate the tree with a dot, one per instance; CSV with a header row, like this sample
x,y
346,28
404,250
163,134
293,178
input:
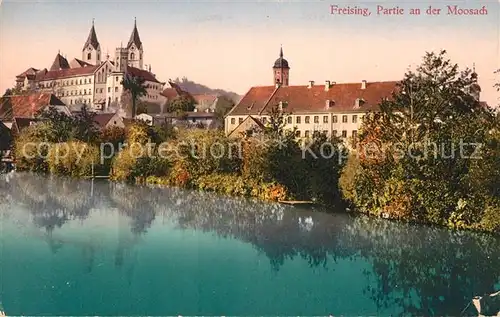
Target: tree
x,y
181,104
223,106
136,87
61,124
85,128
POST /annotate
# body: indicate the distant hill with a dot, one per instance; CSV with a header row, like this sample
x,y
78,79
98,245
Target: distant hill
x,y
195,88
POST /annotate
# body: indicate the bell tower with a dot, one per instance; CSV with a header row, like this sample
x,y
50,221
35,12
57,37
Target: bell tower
x,y
135,49
281,71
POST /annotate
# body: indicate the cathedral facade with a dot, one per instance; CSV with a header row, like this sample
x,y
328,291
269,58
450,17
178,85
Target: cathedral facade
x,y
94,80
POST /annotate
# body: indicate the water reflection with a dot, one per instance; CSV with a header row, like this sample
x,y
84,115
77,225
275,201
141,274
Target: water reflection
x,y
424,270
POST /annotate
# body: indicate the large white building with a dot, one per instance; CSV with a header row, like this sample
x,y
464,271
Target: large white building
x,y
93,80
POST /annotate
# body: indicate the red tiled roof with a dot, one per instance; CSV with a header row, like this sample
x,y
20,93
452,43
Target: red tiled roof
x,y
26,105
29,71
137,72
300,99
68,72
170,93
76,63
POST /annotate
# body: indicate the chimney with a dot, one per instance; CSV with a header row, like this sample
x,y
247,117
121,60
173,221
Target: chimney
x,y
327,85
363,84
328,104
311,84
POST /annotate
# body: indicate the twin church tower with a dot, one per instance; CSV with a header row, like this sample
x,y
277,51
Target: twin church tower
x,y
131,55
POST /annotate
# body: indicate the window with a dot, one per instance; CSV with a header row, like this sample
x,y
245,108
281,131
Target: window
x,y
98,57
297,133
116,89
90,80
289,120
96,90
71,102
344,133
80,92
116,78
89,56
132,56
325,132
316,119
316,134
344,119
109,89
354,119
307,120
334,133
71,82
297,120
240,120
354,133
233,120
334,119
306,134
325,119
85,91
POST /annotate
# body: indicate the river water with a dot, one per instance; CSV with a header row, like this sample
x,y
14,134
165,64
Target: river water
x,y
73,247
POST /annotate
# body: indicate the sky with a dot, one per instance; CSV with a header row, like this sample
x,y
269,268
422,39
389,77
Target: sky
x,y
232,45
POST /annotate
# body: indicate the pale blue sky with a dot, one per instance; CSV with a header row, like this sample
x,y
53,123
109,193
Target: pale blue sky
x,y
232,45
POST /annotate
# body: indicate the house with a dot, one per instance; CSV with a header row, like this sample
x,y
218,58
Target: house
x,y
28,105
248,127
108,120
193,119
334,109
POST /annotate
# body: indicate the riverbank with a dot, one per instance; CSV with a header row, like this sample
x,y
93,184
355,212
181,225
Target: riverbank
x,y
272,171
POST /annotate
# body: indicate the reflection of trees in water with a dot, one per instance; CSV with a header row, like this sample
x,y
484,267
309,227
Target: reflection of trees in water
x,y
426,271
137,203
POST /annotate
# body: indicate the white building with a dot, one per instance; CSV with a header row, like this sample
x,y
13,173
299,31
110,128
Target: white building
x,y
92,80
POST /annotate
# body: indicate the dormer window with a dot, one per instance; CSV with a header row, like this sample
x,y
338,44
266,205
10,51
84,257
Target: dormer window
x,y
359,102
89,56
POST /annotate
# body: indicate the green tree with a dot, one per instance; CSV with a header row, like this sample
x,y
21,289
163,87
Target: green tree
x,y
61,124
136,87
181,104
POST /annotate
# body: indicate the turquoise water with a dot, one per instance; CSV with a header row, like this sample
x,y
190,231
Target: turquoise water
x,y
97,248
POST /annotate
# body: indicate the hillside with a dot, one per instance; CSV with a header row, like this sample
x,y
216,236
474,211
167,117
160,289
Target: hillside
x,y
195,88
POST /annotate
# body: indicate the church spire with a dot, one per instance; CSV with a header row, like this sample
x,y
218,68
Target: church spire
x,y
134,37
281,51
92,39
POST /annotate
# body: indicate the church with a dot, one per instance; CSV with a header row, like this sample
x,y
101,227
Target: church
x,y
92,80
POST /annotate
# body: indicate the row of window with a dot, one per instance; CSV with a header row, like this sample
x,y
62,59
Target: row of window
x,y
74,93
307,119
307,133
77,101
